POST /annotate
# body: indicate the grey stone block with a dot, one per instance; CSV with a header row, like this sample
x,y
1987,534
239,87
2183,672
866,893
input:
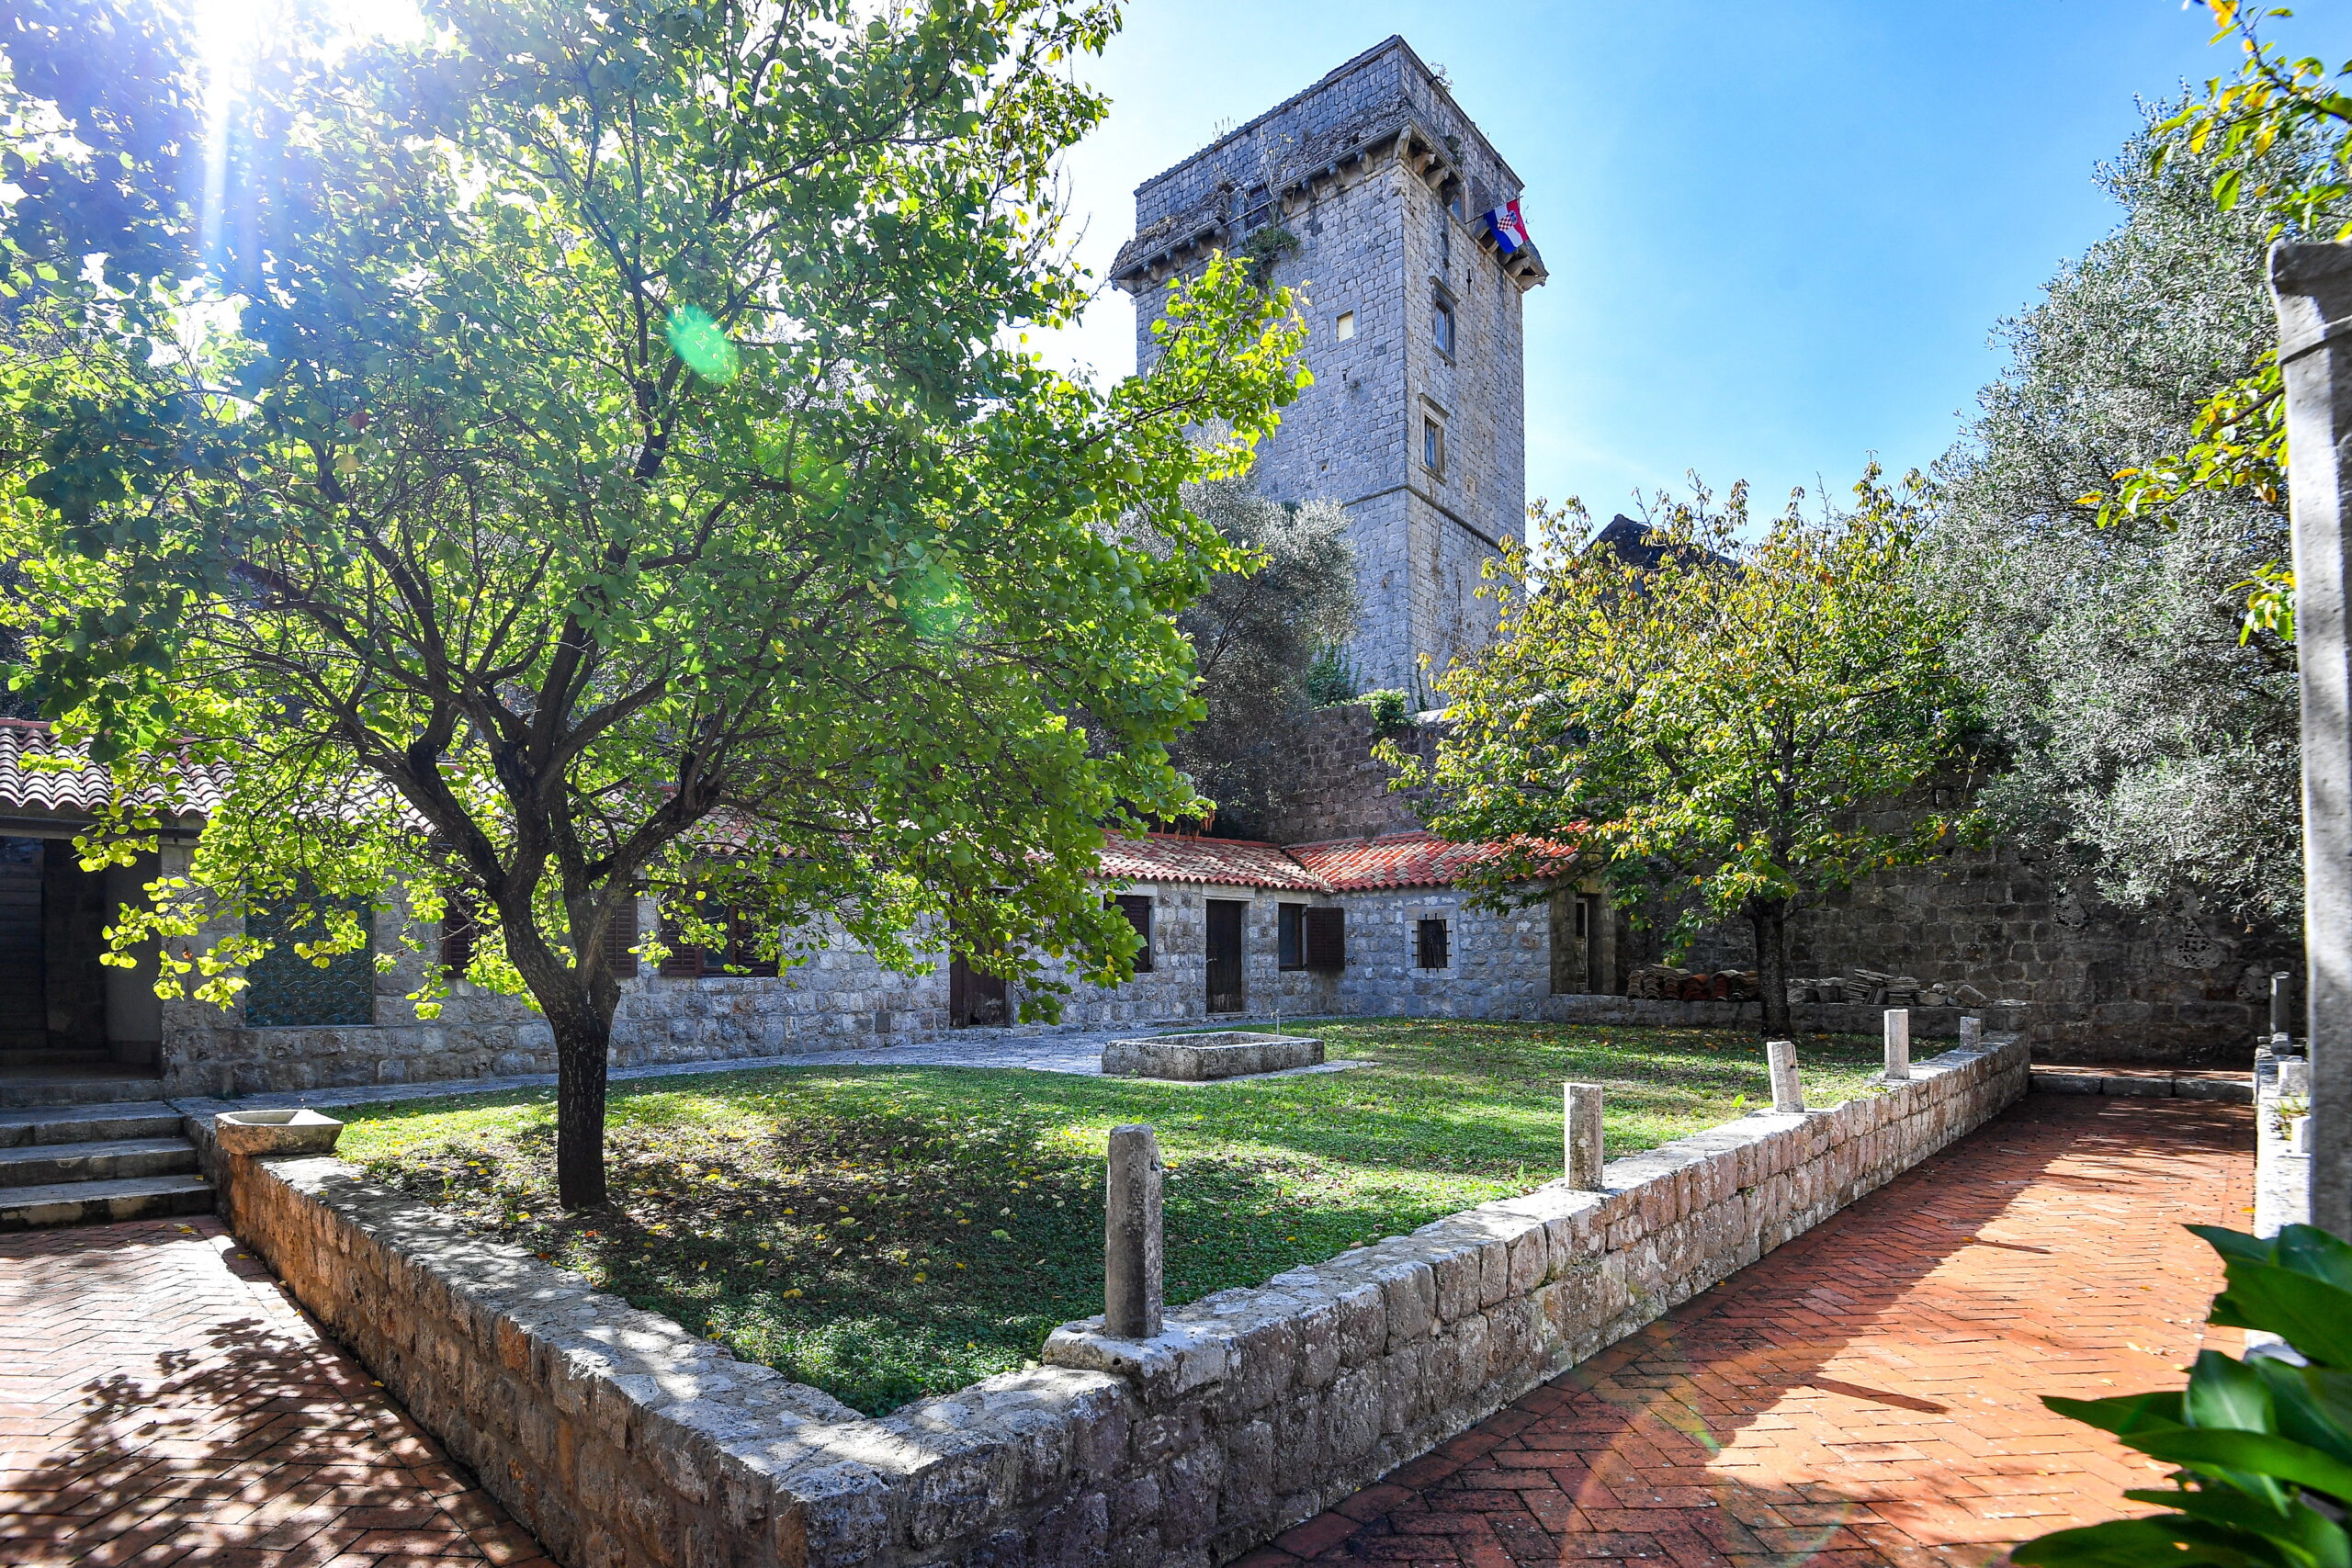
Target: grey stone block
x,y
1196,1058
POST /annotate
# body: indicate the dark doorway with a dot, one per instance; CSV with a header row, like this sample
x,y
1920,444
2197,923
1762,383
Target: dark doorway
x,y
975,996
1227,993
24,981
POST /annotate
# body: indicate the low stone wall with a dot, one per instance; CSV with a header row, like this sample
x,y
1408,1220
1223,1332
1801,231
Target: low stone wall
x,y
620,1438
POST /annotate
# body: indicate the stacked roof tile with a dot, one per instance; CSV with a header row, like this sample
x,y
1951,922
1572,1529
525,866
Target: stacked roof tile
x,y
79,786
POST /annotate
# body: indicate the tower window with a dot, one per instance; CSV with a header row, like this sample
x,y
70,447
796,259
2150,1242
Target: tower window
x,y
1432,445
1442,325
1345,327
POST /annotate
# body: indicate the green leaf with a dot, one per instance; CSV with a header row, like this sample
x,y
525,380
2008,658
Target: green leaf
x,y
2254,1453
2224,1392
2140,1543
2313,1316
2123,1412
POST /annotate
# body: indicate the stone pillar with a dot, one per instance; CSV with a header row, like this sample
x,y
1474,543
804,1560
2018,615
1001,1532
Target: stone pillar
x,y
1131,1239
1971,1032
1581,1107
1788,1093
1899,1045
2313,285
2282,1004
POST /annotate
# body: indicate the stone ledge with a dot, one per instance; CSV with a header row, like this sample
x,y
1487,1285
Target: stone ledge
x,y
620,1438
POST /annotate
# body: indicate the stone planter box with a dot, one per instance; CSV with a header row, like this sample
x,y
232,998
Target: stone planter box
x,y
276,1133
1196,1058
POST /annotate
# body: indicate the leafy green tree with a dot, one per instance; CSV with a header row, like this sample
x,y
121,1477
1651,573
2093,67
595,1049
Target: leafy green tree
x,y
587,449
2275,103
2148,737
1722,729
1258,635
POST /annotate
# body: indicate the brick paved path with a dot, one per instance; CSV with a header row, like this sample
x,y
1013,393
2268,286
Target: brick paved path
x,y
1869,1395
162,1401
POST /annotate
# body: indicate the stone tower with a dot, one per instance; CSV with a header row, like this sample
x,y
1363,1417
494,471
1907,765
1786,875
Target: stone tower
x,y
1416,418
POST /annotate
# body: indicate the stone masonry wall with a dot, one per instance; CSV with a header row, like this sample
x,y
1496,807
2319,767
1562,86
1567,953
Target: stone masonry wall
x,y
2102,983
619,1438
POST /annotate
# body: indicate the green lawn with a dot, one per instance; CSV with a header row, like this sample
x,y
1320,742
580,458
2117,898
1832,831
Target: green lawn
x,y
885,1233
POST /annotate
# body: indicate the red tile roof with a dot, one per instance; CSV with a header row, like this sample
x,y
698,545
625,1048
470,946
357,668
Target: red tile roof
x,y
1393,859
82,788
1231,862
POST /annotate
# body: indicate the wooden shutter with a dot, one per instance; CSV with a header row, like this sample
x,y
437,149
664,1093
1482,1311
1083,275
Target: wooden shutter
x,y
1327,937
620,937
1137,909
684,960
460,934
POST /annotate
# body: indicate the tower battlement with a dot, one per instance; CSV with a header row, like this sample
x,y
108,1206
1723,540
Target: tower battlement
x,y
1416,421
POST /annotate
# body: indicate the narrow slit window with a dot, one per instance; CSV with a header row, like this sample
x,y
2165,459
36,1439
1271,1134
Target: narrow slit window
x,y
1433,445
1441,326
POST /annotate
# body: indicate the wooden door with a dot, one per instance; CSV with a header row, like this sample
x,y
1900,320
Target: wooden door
x,y
1227,993
975,996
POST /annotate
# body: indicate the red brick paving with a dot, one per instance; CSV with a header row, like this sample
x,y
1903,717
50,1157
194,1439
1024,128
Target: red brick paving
x,y
1869,1395
161,1401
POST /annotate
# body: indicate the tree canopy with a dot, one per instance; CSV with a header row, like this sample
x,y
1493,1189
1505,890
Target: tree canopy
x,y
581,449
1723,728
2150,736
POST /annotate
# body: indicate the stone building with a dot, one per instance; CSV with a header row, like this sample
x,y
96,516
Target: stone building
x,y
1354,925
1367,193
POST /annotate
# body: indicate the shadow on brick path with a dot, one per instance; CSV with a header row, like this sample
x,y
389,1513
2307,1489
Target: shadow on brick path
x,y
161,1401
1868,1396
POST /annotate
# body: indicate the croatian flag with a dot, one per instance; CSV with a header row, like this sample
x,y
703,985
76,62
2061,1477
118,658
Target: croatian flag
x,y
1507,228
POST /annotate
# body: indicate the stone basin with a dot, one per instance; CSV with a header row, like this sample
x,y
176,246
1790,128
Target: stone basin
x,y
1196,1058
276,1133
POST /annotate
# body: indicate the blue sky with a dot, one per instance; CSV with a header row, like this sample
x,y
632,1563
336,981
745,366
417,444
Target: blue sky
x,y
1780,231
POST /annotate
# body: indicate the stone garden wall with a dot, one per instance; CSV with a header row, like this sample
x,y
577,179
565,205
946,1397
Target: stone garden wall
x,y
619,1438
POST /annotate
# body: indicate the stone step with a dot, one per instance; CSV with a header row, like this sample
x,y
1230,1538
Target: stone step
x,y
46,1165
42,1055
18,1090
96,1203
89,1123
2155,1083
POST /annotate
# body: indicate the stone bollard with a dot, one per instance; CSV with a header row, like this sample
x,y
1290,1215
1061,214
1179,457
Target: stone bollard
x,y
1580,1108
1899,1045
1780,1055
2282,1004
1971,1032
1131,1239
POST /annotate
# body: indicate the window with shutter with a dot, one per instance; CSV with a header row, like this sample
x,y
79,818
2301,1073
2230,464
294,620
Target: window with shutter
x,y
1290,937
460,934
620,937
1326,939
284,989
740,957
1136,907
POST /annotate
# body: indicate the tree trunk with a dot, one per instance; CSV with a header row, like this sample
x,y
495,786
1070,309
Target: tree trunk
x,y
1769,916
583,1034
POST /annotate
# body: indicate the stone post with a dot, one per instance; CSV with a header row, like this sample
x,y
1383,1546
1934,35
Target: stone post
x,y
2282,1004
1971,1032
1780,1055
1131,1241
1899,1045
2313,285
1580,1119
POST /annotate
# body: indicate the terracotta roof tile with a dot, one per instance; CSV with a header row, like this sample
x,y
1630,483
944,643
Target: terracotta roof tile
x,y
79,790
1233,862
1393,859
